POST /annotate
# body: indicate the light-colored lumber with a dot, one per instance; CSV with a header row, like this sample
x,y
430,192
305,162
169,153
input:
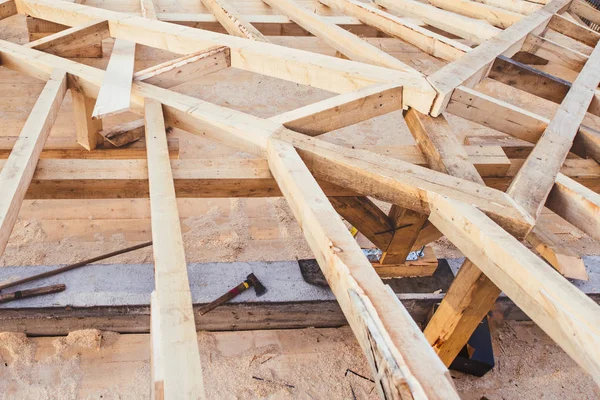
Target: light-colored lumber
x,y
576,204
554,52
343,110
518,6
472,29
365,216
86,128
562,258
20,166
157,389
303,67
565,313
78,41
178,348
430,42
536,178
7,8
407,226
340,39
148,9
523,124
125,133
232,21
474,66
187,68
402,362
498,17
585,10
115,93
573,30
249,133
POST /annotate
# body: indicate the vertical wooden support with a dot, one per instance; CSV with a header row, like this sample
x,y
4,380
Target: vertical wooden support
x,y
86,128
407,224
18,170
174,331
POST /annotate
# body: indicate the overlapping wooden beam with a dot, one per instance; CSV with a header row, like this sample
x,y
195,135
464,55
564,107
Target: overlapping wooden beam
x,y
343,110
348,44
474,66
573,30
78,41
18,170
536,177
232,21
565,313
518,6
585,10
496,16
299,66
430,42
475,30
554,52
402,362
174,337
184,69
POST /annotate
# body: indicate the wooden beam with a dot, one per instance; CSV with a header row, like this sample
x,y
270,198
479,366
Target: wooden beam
x,y
554,52
515,121
232,21
148,9
407,225
341,40
177,345
475,30
565,313
573,30
498,17
534,181
430,42
402,362
7,8
86,128
115,93
184,69
79,41
562,258
518,6
343,110
122,134
303,67
585,10
474,66
576,204
365,216
20,166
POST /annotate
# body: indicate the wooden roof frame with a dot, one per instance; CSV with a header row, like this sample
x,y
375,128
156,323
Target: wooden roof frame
x,y
486,224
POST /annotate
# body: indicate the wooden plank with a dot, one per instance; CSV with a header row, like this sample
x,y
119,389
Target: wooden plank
x,y
515,121
554,52
67,148
79,41
343,110
232,21
303,67
184,69
115,93
341,40
476,31
402,362
122,134
474,66
585,10
562,258
178,348
518,6
536,177
430,42
148,9
407,226
576,204
20,166
567,315
573,30
498,17
7,8
365,216
86,128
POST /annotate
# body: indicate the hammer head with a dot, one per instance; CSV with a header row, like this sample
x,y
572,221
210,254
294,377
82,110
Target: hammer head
x,y
258,287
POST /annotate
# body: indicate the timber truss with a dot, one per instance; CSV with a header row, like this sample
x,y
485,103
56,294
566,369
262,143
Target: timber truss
x,y
484,211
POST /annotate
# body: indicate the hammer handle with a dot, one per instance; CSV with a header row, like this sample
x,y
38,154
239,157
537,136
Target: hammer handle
x,y
242,287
